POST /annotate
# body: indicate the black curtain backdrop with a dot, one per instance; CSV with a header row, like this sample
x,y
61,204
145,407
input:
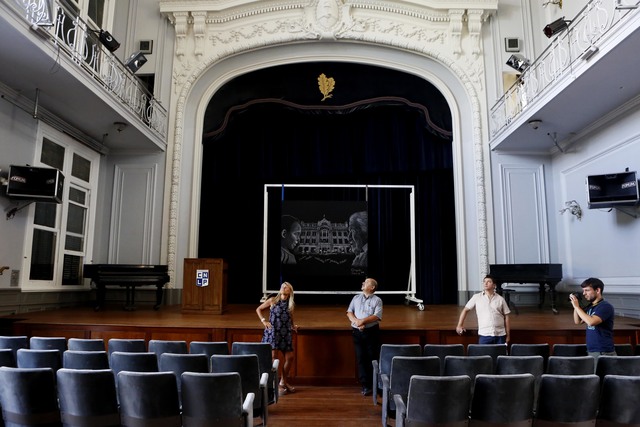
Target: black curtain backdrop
x,y
379,127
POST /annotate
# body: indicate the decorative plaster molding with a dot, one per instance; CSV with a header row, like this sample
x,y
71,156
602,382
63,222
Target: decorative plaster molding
x,y
209,31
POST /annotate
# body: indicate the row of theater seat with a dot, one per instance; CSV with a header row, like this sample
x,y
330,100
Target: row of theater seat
x,y
511,400
133,355
78,397
584,363
396,382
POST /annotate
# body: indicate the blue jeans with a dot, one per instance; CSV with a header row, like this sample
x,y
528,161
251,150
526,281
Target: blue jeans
x,y
484,339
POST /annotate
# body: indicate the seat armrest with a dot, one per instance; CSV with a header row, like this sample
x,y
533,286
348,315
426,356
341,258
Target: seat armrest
x,y
386,390
247,409
401,410
264,399
374,384
276,380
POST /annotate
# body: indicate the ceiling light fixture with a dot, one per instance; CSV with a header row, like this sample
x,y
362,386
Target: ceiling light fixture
x,y
535,123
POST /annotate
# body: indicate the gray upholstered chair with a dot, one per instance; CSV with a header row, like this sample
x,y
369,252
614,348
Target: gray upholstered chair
x,y
619,399
383,364
617,365
148,399
267,363
468,365
86,344
78,359
522,365
29,358
87,397
429,402
397,381
502,400
215,400
493,350
28,397
137,345
443,350
253,381
179,363
567,400
571,365
562,349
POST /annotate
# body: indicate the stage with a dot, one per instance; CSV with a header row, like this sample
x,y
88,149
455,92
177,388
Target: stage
x,y
324,350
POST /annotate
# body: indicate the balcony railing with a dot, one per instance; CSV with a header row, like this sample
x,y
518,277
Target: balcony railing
x,y
598,22
80,42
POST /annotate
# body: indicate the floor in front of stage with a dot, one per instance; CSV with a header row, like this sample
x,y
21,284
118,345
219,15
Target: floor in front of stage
x,y
311,317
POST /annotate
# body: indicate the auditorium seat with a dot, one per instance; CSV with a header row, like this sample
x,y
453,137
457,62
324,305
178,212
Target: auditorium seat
x,y
383,364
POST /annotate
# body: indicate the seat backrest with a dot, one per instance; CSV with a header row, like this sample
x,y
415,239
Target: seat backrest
x,y
265,361
212,400
617,365
179,363
126,345
87,395
502,399
538,349
493,350
168,346
79,359
625,349
533,365
48,343
443,350
133,361
404,367
619,399
247,365
29,358
468,365
14,342
567,399
28,397
569,350
389,351
209,347
86,344
571,365
7,358
429,400
148,399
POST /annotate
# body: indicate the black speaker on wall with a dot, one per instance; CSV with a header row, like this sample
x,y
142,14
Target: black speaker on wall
x,y
108,41
35,183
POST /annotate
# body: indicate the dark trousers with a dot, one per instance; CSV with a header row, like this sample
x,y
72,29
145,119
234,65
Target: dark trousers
x,y
367,345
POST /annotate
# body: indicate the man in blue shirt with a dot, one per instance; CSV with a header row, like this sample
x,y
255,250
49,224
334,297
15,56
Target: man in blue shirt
x,y
365,314
598,316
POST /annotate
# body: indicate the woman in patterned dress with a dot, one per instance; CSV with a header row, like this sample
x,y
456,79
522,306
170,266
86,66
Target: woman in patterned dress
x,y
278,330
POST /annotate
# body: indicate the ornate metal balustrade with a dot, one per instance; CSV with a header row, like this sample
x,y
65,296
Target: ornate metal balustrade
x,y
563,60
80,41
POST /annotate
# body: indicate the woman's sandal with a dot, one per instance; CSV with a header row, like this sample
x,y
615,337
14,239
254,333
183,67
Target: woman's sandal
x,y
287,388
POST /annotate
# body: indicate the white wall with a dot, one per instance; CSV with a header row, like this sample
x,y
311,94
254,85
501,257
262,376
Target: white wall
x,y
17,146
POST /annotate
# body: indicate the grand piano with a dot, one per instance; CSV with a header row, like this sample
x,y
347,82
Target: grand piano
x,y
128,276
543,274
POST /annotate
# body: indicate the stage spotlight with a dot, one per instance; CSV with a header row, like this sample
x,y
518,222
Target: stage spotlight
x,y
556,27
108,41
135,61
518,62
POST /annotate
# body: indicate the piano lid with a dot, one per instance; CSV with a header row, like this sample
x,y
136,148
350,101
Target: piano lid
x,y
524,273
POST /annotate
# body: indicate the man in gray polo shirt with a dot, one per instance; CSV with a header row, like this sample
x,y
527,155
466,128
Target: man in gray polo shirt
x,y
365,314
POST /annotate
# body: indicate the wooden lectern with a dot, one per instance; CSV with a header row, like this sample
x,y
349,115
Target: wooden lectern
x,y
204,288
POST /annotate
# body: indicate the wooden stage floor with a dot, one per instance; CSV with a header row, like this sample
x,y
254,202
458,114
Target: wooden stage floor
x,y
324,353
441,318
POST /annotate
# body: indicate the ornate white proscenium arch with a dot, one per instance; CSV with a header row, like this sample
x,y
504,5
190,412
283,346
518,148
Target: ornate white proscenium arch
x,y
209,33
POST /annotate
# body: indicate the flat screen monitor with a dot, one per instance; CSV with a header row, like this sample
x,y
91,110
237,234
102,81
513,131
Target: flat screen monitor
x,y
35,183
612,189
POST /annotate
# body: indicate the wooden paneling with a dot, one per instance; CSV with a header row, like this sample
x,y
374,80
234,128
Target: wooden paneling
x,y
210,299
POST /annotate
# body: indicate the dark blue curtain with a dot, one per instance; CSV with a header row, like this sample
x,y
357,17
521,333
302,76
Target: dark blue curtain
x,y
386,128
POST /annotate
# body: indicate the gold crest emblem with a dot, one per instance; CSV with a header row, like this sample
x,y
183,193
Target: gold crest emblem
x,y
326,86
